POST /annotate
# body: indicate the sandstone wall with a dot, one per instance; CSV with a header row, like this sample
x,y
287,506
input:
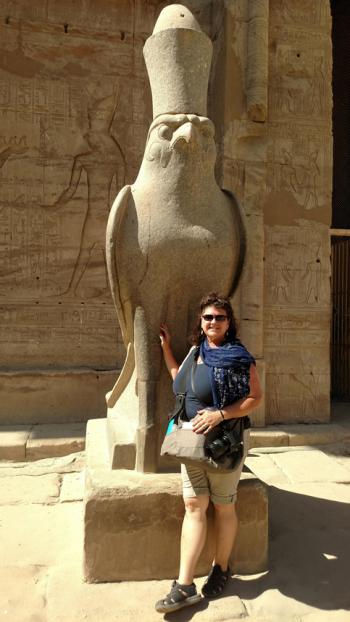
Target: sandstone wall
x,y
74,113
75,108
280,164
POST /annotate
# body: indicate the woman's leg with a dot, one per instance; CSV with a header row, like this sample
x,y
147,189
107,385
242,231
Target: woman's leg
x,y
194,531
225,533
223,493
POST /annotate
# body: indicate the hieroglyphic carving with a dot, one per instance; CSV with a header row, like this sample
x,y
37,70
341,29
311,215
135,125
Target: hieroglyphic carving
x,y
284,171
299,163
233,176
297,266
297,314
102,162
28,328
301,13
65,123
296,320
286,329
305,394
300,74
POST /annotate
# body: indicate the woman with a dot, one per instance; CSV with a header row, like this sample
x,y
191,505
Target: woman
x,y
224,369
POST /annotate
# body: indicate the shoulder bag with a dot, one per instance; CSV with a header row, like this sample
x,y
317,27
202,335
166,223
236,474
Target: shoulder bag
x,y
219,450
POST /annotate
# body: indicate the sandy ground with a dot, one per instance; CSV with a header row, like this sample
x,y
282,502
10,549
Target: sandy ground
x,y
41,535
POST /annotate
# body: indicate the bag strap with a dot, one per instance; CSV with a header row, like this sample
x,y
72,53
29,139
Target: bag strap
x,y
193,369
190,359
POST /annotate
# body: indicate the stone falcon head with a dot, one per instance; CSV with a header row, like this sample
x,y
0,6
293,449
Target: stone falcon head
x,y
181,138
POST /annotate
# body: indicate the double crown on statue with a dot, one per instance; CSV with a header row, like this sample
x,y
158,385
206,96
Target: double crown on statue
x,y
178,57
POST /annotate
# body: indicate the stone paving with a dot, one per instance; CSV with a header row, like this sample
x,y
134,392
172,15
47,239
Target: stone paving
x,y
41,531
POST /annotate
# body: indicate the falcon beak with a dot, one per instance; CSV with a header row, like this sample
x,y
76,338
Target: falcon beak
x,y
183,136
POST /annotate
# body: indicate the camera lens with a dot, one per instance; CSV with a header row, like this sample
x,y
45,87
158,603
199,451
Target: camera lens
x,y
218,447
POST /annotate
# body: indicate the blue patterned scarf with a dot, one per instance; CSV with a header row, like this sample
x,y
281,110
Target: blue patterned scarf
x,y
228,370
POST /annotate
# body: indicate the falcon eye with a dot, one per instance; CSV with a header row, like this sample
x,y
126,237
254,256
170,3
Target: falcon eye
x,y
164,131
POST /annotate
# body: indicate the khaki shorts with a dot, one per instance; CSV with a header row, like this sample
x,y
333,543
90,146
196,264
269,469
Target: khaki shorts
x,y
220,487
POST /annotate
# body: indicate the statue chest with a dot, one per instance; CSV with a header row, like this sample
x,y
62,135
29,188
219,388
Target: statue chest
x,y
172,225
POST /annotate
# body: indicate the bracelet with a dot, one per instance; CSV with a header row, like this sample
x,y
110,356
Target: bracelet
x,y
222,414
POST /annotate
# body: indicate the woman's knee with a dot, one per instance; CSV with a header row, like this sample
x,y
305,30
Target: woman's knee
x,y
225,509
196,505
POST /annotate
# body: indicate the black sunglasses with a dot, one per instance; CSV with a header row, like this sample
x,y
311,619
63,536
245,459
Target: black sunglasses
x,y
208,317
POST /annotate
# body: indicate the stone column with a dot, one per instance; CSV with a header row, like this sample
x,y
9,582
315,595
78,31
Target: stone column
x,y
257,66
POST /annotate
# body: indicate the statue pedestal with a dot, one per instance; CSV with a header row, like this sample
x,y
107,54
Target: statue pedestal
x,y
133,520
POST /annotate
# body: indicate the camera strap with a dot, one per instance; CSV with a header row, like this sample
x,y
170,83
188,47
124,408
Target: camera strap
x,y
193,370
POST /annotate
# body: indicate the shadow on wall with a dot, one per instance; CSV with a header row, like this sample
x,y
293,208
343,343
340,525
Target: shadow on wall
x,y
309,554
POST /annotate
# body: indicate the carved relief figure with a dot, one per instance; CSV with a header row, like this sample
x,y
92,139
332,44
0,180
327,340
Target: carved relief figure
x,y
282,277
297,170
273,396
308,388
12,146
102,162
299,80
173,234
312,173
296,265
313,277
318,96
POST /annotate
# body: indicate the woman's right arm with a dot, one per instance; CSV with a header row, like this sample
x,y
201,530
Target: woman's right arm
x,y
170,361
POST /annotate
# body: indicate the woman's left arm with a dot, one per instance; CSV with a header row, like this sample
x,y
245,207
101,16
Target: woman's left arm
x,y
208,419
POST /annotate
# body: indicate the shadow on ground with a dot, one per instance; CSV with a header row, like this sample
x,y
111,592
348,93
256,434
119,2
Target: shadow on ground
x,y
185,615
309,552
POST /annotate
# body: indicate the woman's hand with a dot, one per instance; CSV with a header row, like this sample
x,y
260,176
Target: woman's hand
x,y
170,361
205,420
164,335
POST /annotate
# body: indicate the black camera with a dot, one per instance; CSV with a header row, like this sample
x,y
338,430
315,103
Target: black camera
x,y
227,443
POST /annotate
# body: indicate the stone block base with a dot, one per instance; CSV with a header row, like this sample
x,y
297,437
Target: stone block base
x,y
133,521
55,396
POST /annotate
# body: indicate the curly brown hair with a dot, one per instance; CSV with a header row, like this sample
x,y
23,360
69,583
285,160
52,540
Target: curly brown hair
x,y
213,299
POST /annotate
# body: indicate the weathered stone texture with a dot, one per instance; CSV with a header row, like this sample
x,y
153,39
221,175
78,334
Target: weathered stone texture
x,y
52,440
281,169
72,130
145,512
13,440
26,489
127,512
257,69
75,108
55,396
74,114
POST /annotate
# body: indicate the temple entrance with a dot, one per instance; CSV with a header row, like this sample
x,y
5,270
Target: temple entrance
x,y
340,353
340,232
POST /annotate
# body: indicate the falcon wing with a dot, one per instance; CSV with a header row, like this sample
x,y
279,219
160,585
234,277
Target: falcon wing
x,y
115,220
239,219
